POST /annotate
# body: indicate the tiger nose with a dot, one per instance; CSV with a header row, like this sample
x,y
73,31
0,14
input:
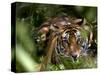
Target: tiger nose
x,y
74,56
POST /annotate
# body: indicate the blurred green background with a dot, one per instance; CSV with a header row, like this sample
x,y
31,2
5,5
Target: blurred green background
x,y
25,52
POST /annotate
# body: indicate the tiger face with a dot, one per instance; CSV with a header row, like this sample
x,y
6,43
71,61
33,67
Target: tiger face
x,y
70,42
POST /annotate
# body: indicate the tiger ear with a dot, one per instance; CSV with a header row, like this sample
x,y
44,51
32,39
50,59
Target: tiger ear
x,y
80,21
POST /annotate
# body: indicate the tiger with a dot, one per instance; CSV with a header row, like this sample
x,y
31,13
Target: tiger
x,y
64,36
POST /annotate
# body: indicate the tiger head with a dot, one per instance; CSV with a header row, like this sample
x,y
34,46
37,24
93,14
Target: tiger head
x,y
74,36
